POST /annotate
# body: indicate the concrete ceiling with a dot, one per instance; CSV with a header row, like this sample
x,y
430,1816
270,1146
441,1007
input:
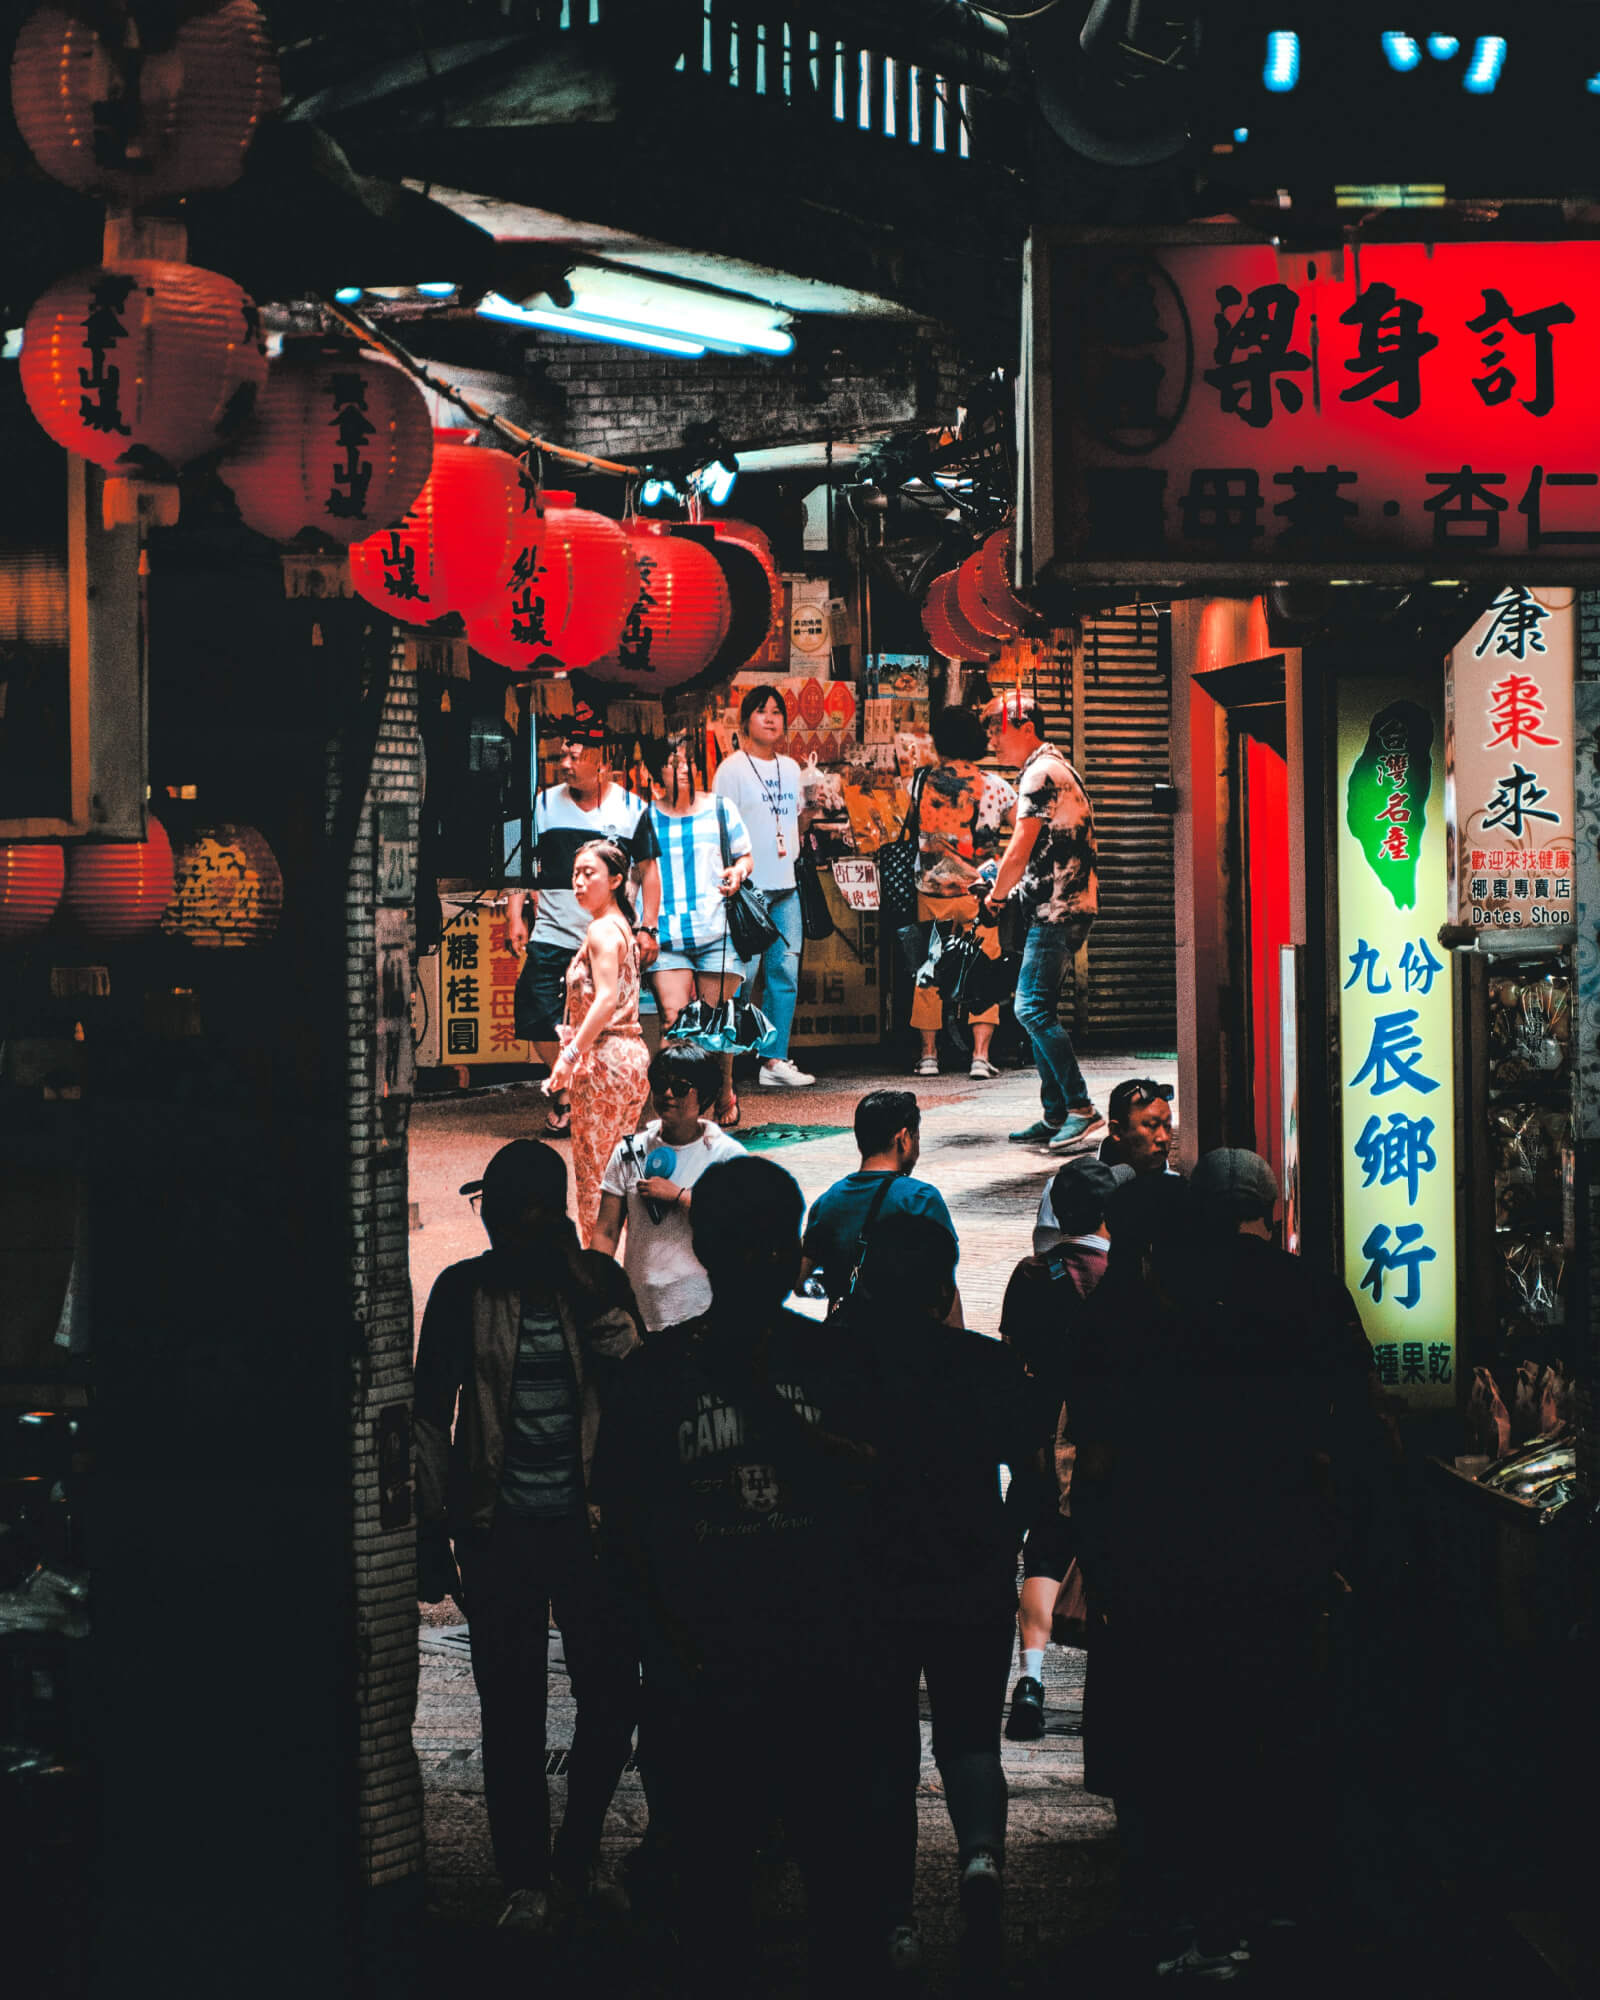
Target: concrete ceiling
x,y
566,238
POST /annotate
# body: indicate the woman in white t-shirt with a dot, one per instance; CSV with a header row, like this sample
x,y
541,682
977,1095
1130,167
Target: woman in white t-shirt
x,y
668,1280
765,787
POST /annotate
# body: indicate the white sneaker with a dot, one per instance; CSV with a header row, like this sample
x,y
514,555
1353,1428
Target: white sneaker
x,y
781,1074
926,1066
982,1069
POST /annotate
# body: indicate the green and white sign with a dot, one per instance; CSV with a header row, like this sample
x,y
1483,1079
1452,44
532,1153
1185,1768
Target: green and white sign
x,y
1396,1033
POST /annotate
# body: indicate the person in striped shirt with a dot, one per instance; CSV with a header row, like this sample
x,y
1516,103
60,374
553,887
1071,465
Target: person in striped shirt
x,y
704,856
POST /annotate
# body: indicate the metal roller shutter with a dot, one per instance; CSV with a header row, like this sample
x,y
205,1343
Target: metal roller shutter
x,y
1107,694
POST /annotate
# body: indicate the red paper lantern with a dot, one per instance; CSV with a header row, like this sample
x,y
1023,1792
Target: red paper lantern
x,y
562,601
340,443
139,126
227,889
142,364
456,540
485,508
945,625
117,888
31,880
678,620
993,565
750,634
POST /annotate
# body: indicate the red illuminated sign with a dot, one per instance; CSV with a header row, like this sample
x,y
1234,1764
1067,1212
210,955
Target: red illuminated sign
x,y
1399,409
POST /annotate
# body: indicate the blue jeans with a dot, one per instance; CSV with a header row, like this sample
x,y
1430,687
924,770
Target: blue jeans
x,y
780,969
1045,957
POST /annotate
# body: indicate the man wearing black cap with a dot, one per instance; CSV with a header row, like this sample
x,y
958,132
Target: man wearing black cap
x,y
514,1348
546,924
1036,1318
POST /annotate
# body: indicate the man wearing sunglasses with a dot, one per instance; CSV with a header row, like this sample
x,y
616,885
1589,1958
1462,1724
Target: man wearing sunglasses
x,y
1140,1139
1050,866
668,1279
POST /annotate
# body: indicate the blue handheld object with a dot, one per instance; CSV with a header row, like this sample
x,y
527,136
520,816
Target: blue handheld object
x,y
662,1164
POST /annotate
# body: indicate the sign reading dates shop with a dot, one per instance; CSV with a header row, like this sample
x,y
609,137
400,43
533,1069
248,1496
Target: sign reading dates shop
x,y
1221,408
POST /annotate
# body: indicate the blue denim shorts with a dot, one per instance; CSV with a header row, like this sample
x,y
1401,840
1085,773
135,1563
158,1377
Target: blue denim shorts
x,y
717,956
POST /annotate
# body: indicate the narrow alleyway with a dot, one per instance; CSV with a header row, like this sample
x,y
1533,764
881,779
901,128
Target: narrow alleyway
x,y
1061,1862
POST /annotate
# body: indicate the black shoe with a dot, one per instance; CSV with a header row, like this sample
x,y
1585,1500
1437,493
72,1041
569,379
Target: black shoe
x,y
1025,1724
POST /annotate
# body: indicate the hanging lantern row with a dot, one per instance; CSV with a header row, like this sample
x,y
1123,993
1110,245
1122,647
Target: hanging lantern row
x,y
222,889
971,611
103,114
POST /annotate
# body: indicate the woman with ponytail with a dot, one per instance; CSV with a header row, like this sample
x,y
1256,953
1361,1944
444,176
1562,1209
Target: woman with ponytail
x,y
603,1061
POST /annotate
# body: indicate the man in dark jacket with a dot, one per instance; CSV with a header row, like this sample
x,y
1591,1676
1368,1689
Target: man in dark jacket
x,y
953,1408
734,1482
513,1349
1037,1319
1210,1374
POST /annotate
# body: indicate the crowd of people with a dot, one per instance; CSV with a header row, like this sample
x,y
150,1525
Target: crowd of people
x,y
761,1532
632,885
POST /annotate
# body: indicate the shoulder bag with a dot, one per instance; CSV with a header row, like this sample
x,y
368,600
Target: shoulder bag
x,y
750,925
897,864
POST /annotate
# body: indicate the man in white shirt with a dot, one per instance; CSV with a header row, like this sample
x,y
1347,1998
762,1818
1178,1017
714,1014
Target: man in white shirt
x,y
668,1280
765,786
546,926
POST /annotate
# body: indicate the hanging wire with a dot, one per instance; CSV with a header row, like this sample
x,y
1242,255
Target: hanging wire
x,y
524,441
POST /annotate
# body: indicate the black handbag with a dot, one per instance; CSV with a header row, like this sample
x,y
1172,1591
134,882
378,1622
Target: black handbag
x,y
816,919
897,865
750,925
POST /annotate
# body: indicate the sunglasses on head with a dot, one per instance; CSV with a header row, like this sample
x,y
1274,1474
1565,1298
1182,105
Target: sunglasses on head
x,y
1143,1091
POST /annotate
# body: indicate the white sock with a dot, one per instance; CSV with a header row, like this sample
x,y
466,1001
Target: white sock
x,y
1033,1663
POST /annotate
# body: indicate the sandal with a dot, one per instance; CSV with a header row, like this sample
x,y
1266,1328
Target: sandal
x,y
727,1124
558,1125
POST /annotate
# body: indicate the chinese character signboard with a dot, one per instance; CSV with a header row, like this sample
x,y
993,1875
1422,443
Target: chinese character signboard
x,y
1423,410
468,987
1396,1034
1509,795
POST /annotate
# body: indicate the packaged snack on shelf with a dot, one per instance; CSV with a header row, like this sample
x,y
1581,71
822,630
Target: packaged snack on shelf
x,y
1488,1420
1534,1279
1530,1021
1529,1149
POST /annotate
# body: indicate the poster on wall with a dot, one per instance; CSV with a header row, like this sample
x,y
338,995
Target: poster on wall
x,y
1396,1032
1509,770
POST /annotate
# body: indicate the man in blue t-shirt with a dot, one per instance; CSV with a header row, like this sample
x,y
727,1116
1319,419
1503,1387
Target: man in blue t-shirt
x,y
889,1135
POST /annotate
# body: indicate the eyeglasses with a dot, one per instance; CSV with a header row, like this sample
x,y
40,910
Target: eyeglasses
x,y
475,1200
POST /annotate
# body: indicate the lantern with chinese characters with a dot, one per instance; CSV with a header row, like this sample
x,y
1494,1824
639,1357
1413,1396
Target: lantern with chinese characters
x,y
142,364
485,508
677,621
457,540
564,595
31,880
228,889
340,443
109,116
949,630
118,888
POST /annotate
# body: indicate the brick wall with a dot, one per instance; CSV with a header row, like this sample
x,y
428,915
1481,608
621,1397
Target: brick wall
x,y
628,402
385,1598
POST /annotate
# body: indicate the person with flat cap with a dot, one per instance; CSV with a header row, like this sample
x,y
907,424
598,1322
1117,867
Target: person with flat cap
x,y
1042,1299
516,1345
